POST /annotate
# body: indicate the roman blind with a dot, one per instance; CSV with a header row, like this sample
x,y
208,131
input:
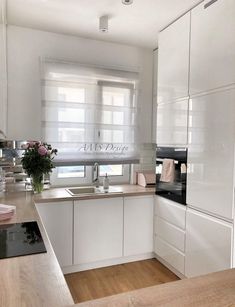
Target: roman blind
x,y
89,114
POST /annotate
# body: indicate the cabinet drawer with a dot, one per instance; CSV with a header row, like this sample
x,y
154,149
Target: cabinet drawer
x,y
170,254
170,211
170,233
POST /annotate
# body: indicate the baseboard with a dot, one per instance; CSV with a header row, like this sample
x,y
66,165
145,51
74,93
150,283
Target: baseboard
x,y
105,263
171,268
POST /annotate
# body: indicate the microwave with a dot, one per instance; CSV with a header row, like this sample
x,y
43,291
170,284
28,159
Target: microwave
x,y
171,173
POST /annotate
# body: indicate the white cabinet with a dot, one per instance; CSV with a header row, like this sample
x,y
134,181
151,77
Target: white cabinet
x,y
172,123
208,244
211,153
212,53
98,230
170,211
173,60
3,82
154,115
58,221
138,225
169,232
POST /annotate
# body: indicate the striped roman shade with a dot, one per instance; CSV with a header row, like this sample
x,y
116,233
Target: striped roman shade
x,y
89,113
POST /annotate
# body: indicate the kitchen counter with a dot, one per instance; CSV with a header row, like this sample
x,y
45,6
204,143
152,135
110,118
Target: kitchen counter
x,y
216,289
61,194
37,280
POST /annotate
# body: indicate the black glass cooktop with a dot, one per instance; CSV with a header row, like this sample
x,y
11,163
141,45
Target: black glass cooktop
x,y
20,239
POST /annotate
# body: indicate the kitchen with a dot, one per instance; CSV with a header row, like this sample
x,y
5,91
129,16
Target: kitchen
x,y
180,96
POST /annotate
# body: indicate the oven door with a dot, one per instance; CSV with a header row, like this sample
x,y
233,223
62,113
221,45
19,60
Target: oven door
x,y
171,173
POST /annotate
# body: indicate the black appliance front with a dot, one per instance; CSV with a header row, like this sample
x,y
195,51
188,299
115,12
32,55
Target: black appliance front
x,y
20,239
171,173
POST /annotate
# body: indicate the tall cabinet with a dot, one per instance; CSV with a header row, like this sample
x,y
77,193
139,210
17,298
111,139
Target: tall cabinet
x,y
196,107
3,72
210,181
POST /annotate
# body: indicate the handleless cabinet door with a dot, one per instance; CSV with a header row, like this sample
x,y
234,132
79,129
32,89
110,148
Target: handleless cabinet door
x,y
172,123
58,221
138,225
98,230
211,153
208,244
3,81
173,60
212,53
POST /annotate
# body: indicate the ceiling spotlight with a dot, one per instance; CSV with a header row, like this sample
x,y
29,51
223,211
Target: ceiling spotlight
x,y
127,2
104,24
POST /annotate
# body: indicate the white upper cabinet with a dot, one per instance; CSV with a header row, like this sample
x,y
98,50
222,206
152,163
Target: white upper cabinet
x,y
172,123
212,54
3,81
211,153
173,60
208,244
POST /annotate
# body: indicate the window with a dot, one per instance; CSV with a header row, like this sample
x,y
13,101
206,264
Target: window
x,y
111,170
90,115
71,172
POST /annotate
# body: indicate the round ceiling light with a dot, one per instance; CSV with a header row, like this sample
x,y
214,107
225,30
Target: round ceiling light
x,y
127,2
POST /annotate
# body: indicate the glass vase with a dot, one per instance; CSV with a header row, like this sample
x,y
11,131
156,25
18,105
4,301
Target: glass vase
x,y
37,183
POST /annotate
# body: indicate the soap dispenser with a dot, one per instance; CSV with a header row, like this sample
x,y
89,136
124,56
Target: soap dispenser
x,y
106,183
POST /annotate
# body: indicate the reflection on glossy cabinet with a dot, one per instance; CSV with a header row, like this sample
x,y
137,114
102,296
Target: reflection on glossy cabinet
x,y
212,54
208,244
58,221
211,153
173,60
138,225
98,230
172,123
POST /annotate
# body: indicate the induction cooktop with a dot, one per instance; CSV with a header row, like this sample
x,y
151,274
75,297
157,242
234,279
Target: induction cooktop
x,y
20,239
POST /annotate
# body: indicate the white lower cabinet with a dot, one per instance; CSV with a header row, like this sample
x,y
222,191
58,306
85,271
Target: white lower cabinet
x,y
98,230
169,231
138,225
57,219
208,244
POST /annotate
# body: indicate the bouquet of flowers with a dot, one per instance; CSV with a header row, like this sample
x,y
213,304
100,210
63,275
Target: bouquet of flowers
x,y
37,161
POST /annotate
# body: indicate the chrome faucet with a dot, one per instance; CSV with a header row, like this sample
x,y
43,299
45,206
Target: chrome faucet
x,y
95,175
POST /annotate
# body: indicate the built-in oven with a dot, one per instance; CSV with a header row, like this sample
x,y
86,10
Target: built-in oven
x,y
171,173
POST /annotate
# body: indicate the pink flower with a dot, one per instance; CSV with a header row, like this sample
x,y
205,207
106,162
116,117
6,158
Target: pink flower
x,y
42,150
31,144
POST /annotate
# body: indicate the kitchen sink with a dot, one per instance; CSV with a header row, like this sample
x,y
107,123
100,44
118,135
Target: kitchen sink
x,y
92,190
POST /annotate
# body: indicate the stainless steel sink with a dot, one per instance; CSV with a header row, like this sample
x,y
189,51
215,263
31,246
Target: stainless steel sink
x,y
88,190
82,190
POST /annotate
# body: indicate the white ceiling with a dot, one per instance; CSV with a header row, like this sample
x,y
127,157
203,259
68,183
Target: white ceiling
x,y
137,24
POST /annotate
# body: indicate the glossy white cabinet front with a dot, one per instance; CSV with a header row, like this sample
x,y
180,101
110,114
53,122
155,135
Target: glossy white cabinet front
x,y
211,153
208,244
172,123
98,229
212,53
138,225
173,60
3,81
57,218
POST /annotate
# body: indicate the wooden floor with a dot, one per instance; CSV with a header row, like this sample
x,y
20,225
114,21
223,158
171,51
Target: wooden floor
x,y
116,279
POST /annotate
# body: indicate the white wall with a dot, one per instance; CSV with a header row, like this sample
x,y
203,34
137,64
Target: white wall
x,y
26,46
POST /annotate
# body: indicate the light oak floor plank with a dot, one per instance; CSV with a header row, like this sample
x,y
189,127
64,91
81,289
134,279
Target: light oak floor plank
x,y
97,283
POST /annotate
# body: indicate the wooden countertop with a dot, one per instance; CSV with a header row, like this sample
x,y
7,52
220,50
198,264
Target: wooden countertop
x,y
37,280
214,290
123,190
